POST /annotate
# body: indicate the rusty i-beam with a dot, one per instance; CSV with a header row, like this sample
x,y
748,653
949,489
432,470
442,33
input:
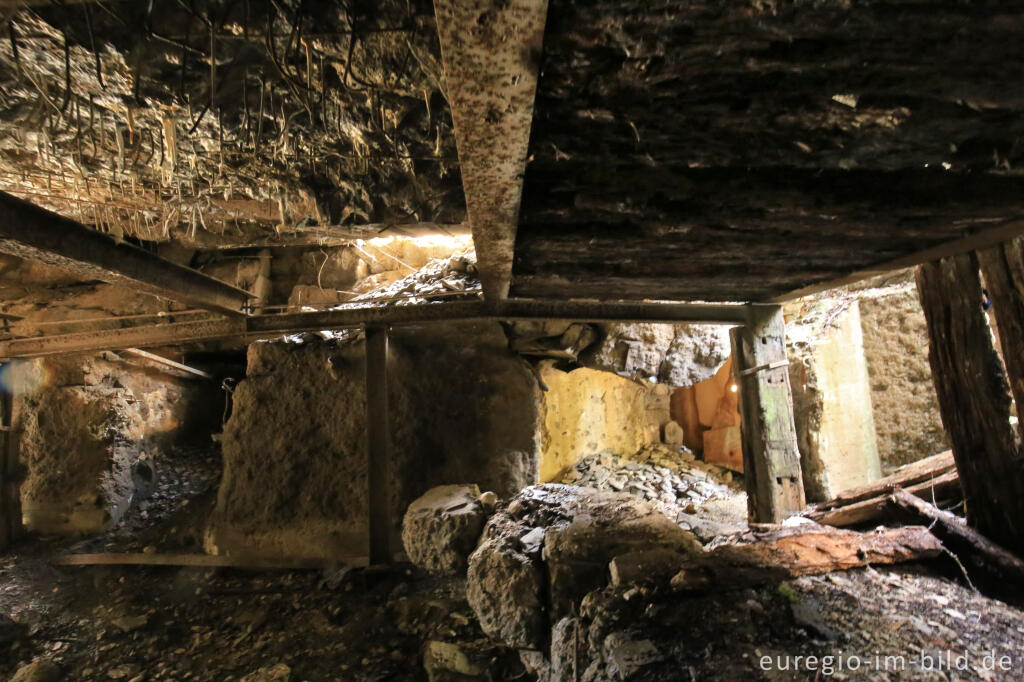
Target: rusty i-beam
x,y
491,51
378,445
268,326
33,233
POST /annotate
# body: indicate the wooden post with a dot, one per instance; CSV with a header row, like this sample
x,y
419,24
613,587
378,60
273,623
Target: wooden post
x,y
1003,270
771,460
378,444
974,397
10,497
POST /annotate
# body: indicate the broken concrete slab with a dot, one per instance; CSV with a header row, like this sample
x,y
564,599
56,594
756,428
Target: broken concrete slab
x,y
441,527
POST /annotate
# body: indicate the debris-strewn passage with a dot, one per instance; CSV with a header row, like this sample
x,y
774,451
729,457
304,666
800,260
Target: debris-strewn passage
x,y
511,340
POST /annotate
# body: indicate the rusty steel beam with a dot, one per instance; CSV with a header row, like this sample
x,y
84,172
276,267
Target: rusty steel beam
x,y
33,233
378,445
269,326
491,52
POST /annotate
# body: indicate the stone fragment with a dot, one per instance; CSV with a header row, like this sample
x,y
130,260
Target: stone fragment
x,y
39,670
451,662
653,564
626,656
441,528
672,434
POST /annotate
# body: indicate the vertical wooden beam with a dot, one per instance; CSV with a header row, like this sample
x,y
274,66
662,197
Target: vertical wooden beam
x,y
1003,270
378,445
974,398
771,460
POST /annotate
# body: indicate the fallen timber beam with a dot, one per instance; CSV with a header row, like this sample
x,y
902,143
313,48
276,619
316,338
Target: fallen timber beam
x,y
983,239
784,553
33,233
491,53
1001,571
267,326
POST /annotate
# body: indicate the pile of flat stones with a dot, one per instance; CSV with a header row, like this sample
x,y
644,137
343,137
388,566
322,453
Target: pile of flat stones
x,y
441,277
656,475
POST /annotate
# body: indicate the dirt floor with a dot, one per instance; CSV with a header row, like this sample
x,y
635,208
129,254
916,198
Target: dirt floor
x,y
393,623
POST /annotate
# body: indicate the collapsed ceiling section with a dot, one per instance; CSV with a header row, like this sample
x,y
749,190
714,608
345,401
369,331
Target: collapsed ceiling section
x,y
742,150
222,122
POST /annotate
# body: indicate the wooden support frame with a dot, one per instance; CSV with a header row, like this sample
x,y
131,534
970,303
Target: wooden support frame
x,y
268,326
974,397
771,459
31,232
982,239
378,445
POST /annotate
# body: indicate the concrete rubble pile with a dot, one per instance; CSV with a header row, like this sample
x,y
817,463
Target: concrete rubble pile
x,y
656,475
441,277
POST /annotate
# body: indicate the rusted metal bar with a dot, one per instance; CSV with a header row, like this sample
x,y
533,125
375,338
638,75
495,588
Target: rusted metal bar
x,y
268,326
159,359
491,52
31,232
378,444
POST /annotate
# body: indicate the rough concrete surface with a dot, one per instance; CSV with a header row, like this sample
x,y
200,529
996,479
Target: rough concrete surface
x,y
679,355
441,528
463,408
906,410
548,548
832,399
87,427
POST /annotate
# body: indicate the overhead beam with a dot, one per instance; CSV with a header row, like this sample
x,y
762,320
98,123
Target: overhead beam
x,y
268,326
491,51
328,235
33,233
983,239
167,362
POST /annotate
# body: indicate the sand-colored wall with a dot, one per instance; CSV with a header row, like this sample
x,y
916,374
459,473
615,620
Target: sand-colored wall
x,y
464,409
906,409
588,411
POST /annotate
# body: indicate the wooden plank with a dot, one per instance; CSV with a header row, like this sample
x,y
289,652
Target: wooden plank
x,y
784,553
159,359
983,239
211,560
34,233
771,460
907,475
974,398
491,51
875,508
378,444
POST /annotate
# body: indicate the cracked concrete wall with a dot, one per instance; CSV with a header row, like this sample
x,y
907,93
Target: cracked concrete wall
x,y
83,426
587,411
906,408
464,409
832,403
